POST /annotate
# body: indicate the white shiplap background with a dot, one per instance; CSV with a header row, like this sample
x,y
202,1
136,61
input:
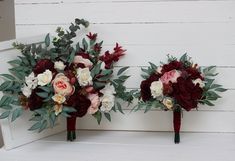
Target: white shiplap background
x,y
150,30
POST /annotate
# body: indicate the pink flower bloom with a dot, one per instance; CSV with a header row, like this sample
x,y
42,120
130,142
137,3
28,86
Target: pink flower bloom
x,y
95,103
61,85
80,60
170,76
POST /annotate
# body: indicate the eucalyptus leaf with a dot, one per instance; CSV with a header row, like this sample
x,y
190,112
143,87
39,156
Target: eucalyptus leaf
x,y
221,89
5,114
16,113
122,70
8,76
43,126
98,116
47,40
35,126
108,117
119,107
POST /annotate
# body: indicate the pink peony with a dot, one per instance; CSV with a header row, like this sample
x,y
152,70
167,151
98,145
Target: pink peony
x,y
61,85
95,103
80,60
170,76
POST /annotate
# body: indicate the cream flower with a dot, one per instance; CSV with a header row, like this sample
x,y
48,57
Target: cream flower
x,y
62,85
26,91
79,59
44,78
168,103
108,89
200,82
31,81
59,65
58,109
156,89
84,76
59,98
95,103
107,102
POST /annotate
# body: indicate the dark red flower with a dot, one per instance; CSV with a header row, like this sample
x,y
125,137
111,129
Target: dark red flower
x,y
167,88
34,101
80,102
92,36
171,66
194,73
186,93
43,65
84,55
97,47
70,74
109,59
145,87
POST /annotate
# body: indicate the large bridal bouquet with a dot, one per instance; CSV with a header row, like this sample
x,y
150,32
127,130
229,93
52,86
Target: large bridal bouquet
x,y
178,85
65,78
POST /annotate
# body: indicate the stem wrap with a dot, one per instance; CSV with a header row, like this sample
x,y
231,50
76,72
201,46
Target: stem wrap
x,y
177,123
71,128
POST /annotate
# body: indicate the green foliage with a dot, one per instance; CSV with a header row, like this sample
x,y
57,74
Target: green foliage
x,y
107,116
98,116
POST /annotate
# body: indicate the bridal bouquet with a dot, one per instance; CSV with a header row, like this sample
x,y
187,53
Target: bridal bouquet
x,y
178,85
65,78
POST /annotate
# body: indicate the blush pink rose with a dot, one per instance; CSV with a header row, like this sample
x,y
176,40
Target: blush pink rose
x,y
80,60
61,85
95,103
170,76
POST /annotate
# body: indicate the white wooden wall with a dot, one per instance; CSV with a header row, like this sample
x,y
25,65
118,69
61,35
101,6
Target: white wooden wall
x,y
150,30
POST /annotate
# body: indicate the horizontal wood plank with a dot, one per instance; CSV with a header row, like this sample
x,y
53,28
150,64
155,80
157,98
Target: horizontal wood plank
x,y
169,11
127,146
194,121
149,34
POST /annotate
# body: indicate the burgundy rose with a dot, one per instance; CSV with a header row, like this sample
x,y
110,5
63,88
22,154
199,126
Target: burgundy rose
x,y
34,101
171,66
193,73
43,65
145,87
80,102
186,93
167,88
84,55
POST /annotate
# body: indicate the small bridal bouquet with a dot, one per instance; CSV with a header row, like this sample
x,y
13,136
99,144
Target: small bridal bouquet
x,y
178,85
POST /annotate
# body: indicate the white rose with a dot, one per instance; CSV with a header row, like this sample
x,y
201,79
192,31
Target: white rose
x,y
107,102
59,65
84,76
200,82
44,78
156,89
79,59
31,81
108,89
168,103
26,91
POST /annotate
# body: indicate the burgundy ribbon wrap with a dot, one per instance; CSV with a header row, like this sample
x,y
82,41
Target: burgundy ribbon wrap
x,y
177,123
71,128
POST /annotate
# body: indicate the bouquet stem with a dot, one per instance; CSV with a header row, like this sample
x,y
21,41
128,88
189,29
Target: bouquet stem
x,y
177,123
71,128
